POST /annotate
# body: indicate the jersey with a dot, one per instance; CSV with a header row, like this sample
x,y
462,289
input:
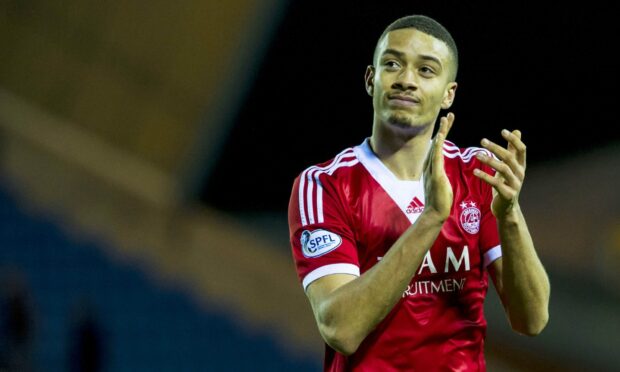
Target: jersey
x,y
345,214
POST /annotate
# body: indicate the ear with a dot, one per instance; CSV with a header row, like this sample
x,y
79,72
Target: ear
x,y
368,79
448,96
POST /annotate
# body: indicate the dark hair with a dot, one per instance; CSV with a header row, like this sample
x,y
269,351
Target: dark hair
x,y
426,25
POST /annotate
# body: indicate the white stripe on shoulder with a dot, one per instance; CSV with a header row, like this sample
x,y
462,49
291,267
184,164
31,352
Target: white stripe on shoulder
x,y
469,153
319,189
309,177
451,151
447,145
466,155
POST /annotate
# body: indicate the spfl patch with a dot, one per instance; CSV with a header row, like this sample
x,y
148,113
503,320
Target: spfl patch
x,y
319,242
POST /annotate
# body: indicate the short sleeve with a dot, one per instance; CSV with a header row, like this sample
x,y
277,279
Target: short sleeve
x,y
490,245
321,239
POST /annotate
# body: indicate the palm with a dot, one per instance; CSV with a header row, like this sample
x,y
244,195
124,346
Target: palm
x,y
509,169
436,183
500,205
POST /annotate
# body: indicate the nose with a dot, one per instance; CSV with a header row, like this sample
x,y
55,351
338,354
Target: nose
x,y
406,80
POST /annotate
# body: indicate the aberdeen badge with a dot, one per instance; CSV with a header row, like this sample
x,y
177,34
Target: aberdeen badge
x,y
470,217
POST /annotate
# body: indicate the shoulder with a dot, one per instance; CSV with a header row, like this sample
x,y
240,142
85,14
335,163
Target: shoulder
x,y
460,164
319,188
465,156
338,168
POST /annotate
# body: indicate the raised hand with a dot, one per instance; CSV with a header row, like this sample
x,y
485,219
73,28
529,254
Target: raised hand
x,y
437,187
510,172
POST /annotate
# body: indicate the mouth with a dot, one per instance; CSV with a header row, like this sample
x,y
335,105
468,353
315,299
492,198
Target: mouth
x,y
403,100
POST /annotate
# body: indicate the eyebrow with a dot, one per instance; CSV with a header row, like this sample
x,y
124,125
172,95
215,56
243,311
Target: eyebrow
x,y
395,52
401,55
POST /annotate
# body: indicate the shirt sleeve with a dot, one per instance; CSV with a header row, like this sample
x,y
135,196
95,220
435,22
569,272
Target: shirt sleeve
x,y
321,238
490,245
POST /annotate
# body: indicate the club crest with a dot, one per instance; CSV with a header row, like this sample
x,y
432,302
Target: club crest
x,y
470,217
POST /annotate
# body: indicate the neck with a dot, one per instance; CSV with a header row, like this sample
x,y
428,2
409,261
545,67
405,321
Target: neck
x,y
402,150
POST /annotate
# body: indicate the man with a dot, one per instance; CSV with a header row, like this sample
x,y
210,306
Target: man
x,y
393,239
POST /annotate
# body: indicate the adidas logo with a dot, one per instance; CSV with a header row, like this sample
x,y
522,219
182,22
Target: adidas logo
x,y
416,206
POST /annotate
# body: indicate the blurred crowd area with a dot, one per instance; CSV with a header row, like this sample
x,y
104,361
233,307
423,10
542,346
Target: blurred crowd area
x,y
111,114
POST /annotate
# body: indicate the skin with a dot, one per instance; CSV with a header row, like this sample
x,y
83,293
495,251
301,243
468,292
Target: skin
x,y
412,80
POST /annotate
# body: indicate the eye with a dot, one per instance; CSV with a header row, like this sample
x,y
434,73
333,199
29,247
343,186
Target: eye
x,y
427,71
391,64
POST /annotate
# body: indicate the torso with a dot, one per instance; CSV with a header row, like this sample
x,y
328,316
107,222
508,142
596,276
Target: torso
x,y
439,323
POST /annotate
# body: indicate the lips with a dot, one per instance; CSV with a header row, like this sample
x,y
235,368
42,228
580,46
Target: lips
x,y
403,100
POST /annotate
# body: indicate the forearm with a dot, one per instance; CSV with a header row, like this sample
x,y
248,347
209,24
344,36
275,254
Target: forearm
x,y
353,310
525,282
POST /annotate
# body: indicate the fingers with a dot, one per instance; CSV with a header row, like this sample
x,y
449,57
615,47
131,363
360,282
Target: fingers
x,y
510,167
516,148
514,177
436,150
498,184
515,144
513,155
502,153
445,124
436,183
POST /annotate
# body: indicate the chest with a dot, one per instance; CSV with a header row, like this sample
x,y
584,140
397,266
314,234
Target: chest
x,y
382,217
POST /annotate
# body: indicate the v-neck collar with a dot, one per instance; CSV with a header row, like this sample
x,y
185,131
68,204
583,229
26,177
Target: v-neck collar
x,y
402,192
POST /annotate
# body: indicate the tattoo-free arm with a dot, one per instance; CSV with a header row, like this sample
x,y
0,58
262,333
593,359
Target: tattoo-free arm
x,y
519,276
347,308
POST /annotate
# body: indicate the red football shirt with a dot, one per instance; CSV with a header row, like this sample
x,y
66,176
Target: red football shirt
x,y
346,213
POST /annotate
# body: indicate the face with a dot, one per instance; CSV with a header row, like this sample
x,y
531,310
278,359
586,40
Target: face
x,y
411,80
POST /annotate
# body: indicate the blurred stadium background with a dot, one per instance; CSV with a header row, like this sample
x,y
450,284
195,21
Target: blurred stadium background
x,y
148,148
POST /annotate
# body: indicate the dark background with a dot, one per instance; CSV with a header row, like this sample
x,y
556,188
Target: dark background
x,y
546,69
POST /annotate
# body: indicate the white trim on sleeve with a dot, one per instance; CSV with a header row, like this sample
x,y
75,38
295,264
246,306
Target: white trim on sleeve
x,y
311,177
341,268
492,255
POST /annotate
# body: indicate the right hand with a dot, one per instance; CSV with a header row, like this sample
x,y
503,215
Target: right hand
x,y
439,195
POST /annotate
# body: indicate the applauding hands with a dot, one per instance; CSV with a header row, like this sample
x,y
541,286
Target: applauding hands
x,y
510,172
437,187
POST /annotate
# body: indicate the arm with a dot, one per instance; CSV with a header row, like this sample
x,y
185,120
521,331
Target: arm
x,y
519,276
347,308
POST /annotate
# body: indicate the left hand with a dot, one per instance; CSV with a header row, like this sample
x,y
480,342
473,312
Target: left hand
x,y
510,172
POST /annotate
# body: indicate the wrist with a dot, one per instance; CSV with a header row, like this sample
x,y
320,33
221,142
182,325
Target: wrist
x,y
511,216
434,217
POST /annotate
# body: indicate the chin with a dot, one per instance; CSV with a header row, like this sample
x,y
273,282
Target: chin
x,y
402,121
404,124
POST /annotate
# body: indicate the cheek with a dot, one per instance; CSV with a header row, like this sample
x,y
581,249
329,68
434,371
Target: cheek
x,y
376,100
438,95
377,95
